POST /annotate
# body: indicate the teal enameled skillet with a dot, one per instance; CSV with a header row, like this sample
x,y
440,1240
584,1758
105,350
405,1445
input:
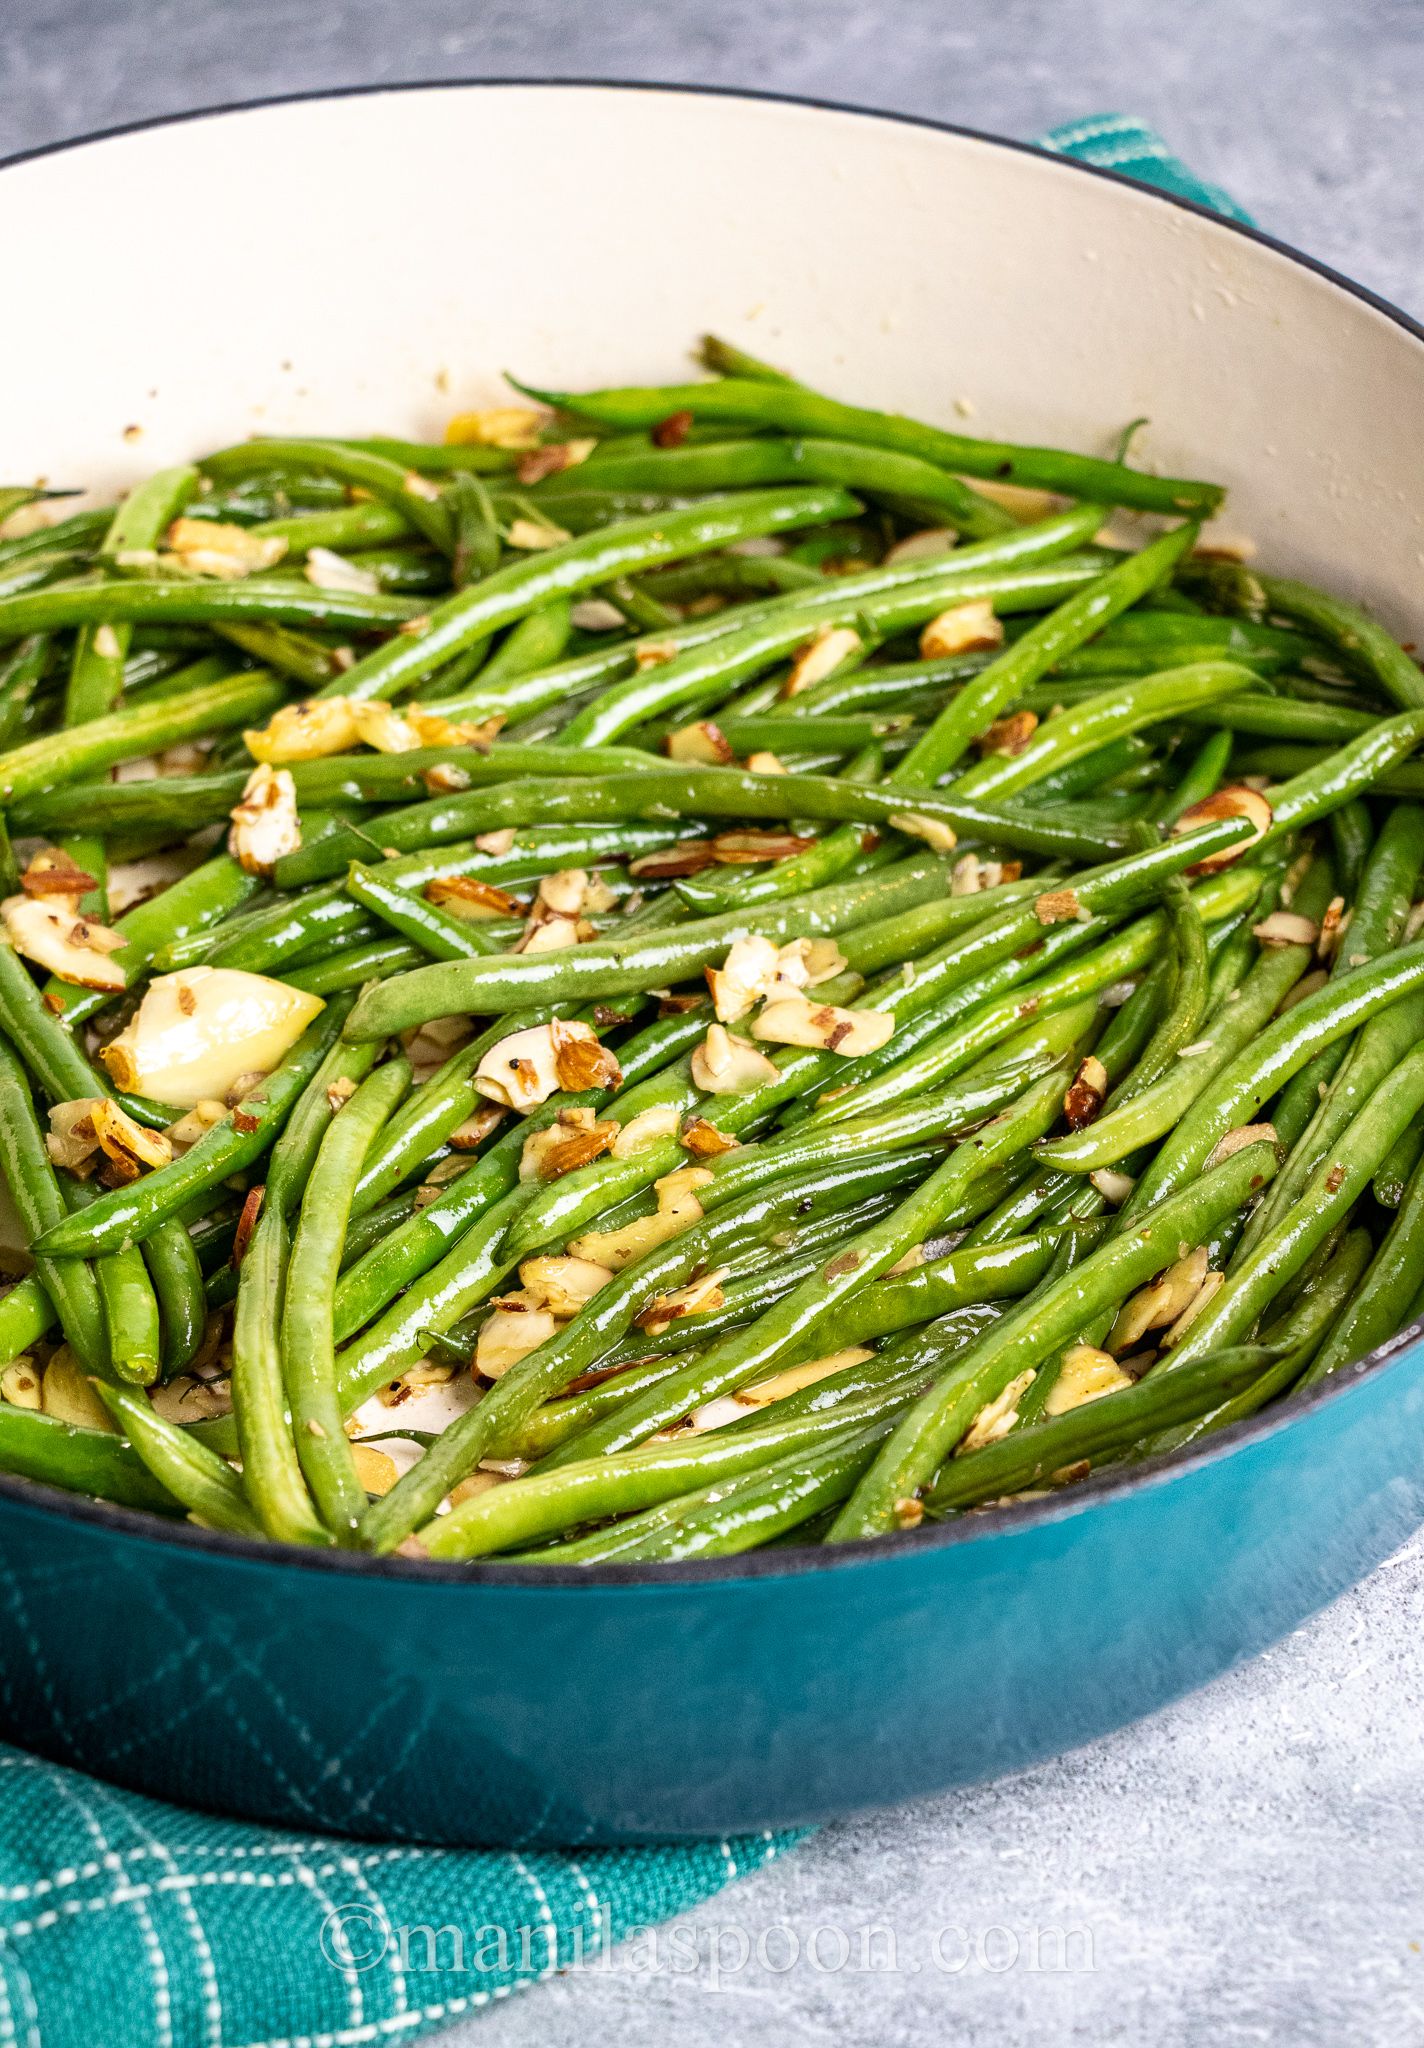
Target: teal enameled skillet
x,y
507,1704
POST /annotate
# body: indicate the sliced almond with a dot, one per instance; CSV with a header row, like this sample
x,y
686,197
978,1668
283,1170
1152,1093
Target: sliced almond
x,y
723,1065
1009,735
745,977
580,1061
576,1139
923,546
381,726
1086,1375
649,1127
510,1333
330,571
1158,1304
533,534
1085,1097
704,742
795,1020
52,872
963,629
1287,928
704,1141
470,899
561,1283
265,824
1202,1299
1237,1140
495,426
740,849
1235,801
304,732
935,832
763,762
374,1469
997,1417
698,1297
74,949
820,658
1058,906
213,547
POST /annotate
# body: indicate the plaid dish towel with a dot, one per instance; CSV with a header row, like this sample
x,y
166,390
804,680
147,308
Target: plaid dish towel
x,y
131,1924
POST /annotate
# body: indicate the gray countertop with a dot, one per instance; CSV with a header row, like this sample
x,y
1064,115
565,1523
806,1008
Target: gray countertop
x,y
1247,1866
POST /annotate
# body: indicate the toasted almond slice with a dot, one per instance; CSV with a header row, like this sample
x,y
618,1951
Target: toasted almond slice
x,y
534,534
381,726
330,571
997,1417
1238,1140
212,547
495,426
561,1283
649,1127
1086,1375
1205,1294
1286,928
74,949
744,978
1087,1094
963,629
580,1061
723,1065
1059,906
577,1139
1235,801
704,1141
937,835
52,872
434,729
739,849
794,1020
704,742
265,824
697,1298
923,546
509,1334
1009,735
821,657
469,899
304,732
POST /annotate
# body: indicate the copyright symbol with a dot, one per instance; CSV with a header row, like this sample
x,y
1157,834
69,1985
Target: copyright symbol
x,y
354,1937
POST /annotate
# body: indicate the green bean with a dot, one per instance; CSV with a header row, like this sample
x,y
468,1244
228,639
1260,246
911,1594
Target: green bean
x,y
195,1476
545,1503
133,1213
1255,1075
1231,1037
438,935
345,526
343,1070
26,1312
124,735
177,1278
200,601
271,1474
507,596
1074,621
1050,1319
1394,1176
1384,1303
1328,1196
739,654
1072,733
1020,571
96,673
1190,989
1363,645
793,409
1348,773
616,966
35,1192
90,1461
307,1340
350,967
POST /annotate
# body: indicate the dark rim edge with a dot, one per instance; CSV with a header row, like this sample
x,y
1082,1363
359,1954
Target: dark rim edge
x,y
1073,1500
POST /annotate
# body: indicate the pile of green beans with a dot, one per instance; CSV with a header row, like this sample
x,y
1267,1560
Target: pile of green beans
x,y
794,1036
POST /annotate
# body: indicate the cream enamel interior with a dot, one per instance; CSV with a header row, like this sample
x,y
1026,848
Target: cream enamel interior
x,y
903,266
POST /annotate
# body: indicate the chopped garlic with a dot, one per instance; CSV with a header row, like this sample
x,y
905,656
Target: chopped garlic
x,y
75,949
197,1030
304,732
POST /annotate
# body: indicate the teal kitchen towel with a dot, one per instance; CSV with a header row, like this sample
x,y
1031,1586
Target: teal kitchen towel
x,y
129,1924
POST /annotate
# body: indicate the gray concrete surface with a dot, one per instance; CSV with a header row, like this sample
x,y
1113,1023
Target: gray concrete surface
x,y
1246,1867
